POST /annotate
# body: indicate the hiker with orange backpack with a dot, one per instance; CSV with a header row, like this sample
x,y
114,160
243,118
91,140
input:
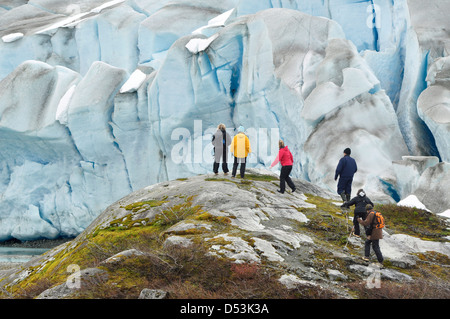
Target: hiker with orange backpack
x,y
374,224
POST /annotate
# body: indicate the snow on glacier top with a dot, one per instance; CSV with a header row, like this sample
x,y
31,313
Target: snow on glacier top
x,y
73,20
198,45
218,21
134,82
12,37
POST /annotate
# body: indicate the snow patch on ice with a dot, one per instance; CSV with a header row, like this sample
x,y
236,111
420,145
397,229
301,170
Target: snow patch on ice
x,y
216,22
198,45
12,37
445,214
412,201
134,82
65,22
77,18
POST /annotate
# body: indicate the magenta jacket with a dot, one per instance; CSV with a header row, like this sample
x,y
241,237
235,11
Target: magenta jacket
x,y
284,157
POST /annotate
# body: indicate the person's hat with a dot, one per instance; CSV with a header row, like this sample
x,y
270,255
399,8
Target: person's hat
x,y
241,129
347,151
369,207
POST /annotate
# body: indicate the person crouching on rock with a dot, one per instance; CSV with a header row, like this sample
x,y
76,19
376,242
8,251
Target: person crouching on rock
x,y
374,234
286,159
360,201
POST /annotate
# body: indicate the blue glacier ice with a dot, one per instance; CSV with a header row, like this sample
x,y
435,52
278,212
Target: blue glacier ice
x,y
434,105
102,98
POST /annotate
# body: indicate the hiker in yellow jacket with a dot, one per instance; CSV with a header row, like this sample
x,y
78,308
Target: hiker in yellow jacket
x,y
240,148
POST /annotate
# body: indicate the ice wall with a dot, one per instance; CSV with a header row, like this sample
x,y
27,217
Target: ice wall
x,y
434,105
100,98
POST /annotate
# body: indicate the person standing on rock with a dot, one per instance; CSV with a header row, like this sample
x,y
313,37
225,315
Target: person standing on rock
x,y
221,140
286,160
374,234
345,170
360,201
240,148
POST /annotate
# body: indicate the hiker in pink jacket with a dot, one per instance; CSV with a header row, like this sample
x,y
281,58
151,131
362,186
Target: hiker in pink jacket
x,y
285,158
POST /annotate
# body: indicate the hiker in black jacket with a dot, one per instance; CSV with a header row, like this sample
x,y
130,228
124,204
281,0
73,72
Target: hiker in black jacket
x,y
221,140
360,201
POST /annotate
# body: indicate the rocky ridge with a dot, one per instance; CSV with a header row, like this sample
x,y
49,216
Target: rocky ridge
x,y
300,239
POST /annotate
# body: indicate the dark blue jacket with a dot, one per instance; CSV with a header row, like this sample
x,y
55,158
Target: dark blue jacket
x,y
346,167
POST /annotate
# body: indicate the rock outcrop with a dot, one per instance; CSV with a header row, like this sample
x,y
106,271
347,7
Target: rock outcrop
x,y
297,237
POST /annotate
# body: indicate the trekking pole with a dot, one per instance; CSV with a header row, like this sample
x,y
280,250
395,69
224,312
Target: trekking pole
x,y
348,237
346,219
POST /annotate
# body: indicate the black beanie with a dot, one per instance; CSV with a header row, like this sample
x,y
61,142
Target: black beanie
x,y
347,151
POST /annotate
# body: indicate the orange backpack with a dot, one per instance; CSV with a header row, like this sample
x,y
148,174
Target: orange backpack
x,y
378,220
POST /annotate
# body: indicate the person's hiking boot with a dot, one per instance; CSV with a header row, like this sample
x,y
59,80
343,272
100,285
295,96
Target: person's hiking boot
x,y
343,196
279,191
293,191
365,259
347,197
357,236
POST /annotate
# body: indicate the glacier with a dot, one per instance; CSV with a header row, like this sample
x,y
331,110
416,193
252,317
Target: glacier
x,y
102,98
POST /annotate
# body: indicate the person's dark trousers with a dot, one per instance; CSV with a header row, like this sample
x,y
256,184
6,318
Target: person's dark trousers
x,y
284,178
376,248
220,155
356,230
242,161
345,186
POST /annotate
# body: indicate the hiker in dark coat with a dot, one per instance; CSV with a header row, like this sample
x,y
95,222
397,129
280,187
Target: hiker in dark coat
x,y
373,235
221,140
345,170
286,159
360,201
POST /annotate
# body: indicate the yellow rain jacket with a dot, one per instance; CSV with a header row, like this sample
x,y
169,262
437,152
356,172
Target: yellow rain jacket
x,y
240,146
